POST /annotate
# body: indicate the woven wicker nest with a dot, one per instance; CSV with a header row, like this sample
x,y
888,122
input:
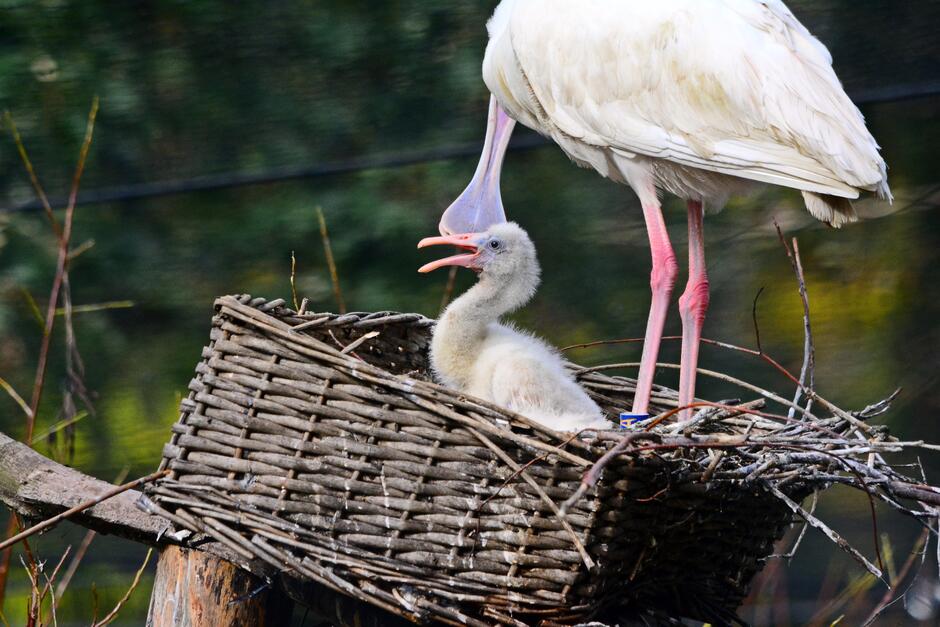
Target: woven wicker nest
x,y
318,444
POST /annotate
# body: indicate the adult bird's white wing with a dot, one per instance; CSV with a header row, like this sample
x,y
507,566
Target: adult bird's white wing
x,y
738,87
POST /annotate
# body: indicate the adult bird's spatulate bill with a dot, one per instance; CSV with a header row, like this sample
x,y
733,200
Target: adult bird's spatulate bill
x,y
466,241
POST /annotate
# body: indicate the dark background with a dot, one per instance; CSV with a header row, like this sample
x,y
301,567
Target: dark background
x,y
200,95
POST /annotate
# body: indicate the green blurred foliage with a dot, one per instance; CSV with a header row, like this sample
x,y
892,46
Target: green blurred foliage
x,y
196,88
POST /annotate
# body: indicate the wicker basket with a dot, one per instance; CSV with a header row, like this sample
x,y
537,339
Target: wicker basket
x,y
317,443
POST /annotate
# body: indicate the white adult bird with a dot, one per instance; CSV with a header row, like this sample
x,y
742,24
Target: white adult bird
x,y
691,97
473,352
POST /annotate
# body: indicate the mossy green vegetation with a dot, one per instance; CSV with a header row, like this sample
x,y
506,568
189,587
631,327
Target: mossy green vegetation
x,y
190,89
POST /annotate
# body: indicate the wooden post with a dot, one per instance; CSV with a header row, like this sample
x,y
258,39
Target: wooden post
x,y
195,589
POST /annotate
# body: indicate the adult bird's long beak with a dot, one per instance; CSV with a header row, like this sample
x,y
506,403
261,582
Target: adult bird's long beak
x,y
466,241
480,205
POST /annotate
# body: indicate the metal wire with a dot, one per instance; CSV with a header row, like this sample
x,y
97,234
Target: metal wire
x,y
522,142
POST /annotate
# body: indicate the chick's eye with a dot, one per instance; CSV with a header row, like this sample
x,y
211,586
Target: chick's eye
x,y
495,244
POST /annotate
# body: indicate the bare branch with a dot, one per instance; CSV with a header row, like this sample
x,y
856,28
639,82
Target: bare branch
x,y
828,532
808,369
331,262
293,281
33,178
120,604
889,597
15,396
114,304
61,270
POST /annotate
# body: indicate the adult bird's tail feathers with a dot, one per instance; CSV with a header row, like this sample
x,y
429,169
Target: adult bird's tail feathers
x,y
833,210
837,211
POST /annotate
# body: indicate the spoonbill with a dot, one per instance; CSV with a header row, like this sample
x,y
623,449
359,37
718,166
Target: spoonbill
x,y
692,97
473,352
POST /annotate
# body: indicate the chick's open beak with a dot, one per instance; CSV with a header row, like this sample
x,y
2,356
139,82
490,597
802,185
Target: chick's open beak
x,y
465,241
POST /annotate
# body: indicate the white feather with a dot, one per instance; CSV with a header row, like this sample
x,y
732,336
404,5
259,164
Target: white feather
x,y
690,95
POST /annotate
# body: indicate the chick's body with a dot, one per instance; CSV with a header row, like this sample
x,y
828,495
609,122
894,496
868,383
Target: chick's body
x,y
472,351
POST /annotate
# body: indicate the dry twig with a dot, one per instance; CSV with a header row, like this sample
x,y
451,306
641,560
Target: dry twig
x,y
33,178
331,262
808,369
60,275
48,588
293,281
832,535
110,616
115,304
15,396
890,596
60,286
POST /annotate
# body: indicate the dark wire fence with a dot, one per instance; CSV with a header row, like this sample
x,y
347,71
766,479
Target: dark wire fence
x,y
124,193
524,141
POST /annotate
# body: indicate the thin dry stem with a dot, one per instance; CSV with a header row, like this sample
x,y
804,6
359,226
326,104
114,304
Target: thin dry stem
x,y
15,396
808,369
331,262
828,532
61,269
59,426
109,306
293,281
760,347
33,607
33,178
127,595
890,596
789,555
33,307
48,588
81,249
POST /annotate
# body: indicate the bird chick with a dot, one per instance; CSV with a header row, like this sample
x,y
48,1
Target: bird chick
x,y
475,353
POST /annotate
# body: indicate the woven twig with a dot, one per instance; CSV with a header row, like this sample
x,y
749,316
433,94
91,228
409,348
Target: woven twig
x,y
318,443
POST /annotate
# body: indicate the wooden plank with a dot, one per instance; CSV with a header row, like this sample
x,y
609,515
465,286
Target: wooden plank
x,y
36,487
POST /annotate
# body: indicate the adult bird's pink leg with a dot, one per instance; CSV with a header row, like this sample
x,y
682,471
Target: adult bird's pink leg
x,y
662,280
692,306
480,206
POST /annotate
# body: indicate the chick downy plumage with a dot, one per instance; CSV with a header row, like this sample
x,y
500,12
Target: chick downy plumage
x,y
472,351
